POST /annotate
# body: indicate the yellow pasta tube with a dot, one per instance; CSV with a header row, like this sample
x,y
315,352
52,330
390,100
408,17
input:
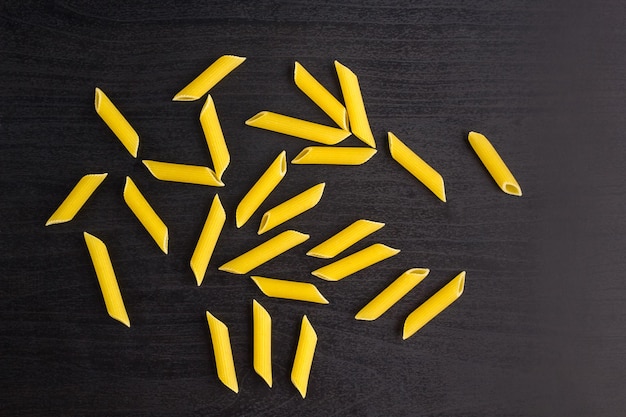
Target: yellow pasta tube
x,y
341,241
351,91
417,167
76,199
494,164
291,290
209,78
190,174
304,357
223,353
291,208
262,342
355,262
214,137
261,189
116,122
264,252
320,96
146,215
299,128
106,278
208,238
332,155
433,306
392,294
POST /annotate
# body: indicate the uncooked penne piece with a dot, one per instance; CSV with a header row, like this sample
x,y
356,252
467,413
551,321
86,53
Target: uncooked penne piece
x,y
76,199
299,128
208,238
146,215
264,252
434,305
262,342
261,189
341,241
494,164
353,99
355,262
417,166
392,294
291,208
106,278
190,174
320,96
223,353
214,137
303,360
209,78
116,122
332,155
290,290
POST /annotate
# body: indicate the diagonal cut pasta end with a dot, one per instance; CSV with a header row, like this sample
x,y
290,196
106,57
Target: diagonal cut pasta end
x,y
252,121
512,188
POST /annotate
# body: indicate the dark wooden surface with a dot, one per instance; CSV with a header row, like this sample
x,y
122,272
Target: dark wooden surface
x,y
541,328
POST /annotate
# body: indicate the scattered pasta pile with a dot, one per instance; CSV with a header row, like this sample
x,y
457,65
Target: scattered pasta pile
x,y
350,118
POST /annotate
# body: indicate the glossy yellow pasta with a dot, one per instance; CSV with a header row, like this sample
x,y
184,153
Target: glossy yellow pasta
x,y
190,174
291,290
264,252
434,305
261,189
146,215
76,199
208,238
291,208
304,357
262,342
417,167
299,128
392,294
209,78
341,241
332,155
320,96
353,99
355,262
106,278
494,164
116,122
223,353
214,137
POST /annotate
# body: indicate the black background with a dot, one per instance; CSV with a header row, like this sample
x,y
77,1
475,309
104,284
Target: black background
x,y
540,329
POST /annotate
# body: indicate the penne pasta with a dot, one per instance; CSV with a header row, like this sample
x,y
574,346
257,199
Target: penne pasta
x,y
417,167
209,78
303,360
262,342
146,215
299,128
223,353
290,290
261,189
392,294
341,241
106,278
433,306
190,174
355,262
214,137
494,164
208,238
332,155
76,199
264,252
116,122
291,208
351,91
320,96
